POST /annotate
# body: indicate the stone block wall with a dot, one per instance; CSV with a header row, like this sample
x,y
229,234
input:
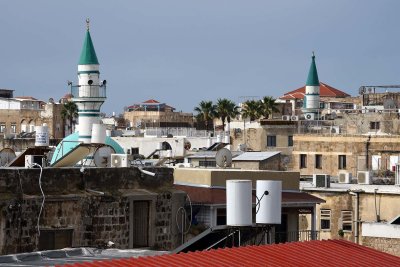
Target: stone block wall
x,y
388,245
93,217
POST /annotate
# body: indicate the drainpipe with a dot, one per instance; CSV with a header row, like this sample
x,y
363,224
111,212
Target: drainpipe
x,y
357,216
367,149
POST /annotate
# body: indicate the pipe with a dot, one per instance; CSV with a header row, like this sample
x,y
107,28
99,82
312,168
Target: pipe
x,y
367,154
357,220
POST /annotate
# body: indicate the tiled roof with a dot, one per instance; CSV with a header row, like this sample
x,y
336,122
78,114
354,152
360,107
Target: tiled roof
x,y
324,91
206,195
152,101
311,253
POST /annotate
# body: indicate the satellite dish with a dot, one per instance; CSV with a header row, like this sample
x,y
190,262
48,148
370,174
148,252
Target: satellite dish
x,y
224,158
6,156
102,156
333,115
286,160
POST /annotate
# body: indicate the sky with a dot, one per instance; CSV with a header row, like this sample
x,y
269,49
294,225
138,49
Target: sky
x,y
183,52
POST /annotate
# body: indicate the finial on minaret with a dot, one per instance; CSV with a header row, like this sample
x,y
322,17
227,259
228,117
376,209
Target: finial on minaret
x,y
313,55
88,21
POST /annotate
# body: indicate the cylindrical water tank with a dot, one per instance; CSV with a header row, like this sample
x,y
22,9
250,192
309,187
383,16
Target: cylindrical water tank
x,y
209,142
98,134
159,146
238,203
226,139
219,138
169,153
108,132
269,193
41,136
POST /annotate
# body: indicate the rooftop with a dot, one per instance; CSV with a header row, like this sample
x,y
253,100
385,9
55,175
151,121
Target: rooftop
x,y
256,156
311,253
338,187
324,91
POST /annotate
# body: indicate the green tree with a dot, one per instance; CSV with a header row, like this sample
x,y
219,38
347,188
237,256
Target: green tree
x,y
251,109
205,111
69,112
233,112
268,106
226,110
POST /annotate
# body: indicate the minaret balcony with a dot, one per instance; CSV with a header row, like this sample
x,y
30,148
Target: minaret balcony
x,y
88,91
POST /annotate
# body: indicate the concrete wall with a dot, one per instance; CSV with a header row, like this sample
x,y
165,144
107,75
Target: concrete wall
x,y
95,218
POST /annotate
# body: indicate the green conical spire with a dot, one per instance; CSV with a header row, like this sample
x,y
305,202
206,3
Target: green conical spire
x,y
312,79
88,54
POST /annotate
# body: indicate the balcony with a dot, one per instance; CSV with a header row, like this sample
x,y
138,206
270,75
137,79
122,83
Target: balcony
x,y
88,91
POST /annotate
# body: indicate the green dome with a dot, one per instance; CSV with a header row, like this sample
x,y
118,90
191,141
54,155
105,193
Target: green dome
x,y
88,54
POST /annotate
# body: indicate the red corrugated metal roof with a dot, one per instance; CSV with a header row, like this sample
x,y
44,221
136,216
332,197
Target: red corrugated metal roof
x,y
311,253
206,195
324,91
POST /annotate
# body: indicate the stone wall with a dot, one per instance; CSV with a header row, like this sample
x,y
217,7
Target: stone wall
x,y
96,206
388,245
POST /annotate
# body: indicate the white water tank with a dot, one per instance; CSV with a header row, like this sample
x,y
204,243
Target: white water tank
x,y
169,153
98,133
41,136
209,142
269,194
159,146
227,139
238,203
108,133
219,138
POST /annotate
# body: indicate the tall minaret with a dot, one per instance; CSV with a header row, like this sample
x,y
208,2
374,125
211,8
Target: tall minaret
x,y
90,93
311,98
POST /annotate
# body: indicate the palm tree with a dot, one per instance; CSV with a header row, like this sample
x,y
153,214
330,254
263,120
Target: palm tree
x,y
206,112
69,112
222,109
233,112
268,106
251,109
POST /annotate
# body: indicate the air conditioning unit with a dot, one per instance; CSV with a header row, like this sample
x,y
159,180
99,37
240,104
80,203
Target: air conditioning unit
x,y
286,118
310,116
344,177
321,180
32,160
364,177
335,129
294,118
120,160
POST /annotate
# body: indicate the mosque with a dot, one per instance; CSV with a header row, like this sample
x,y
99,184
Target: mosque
x,y
89,95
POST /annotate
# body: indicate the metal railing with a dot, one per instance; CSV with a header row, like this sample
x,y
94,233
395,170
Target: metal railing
x,y
293,236
91,91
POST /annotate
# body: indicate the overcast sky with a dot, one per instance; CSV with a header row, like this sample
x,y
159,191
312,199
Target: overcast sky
x,y
182,52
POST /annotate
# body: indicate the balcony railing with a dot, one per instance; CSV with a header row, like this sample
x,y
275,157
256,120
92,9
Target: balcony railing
x,y
88,91
293,236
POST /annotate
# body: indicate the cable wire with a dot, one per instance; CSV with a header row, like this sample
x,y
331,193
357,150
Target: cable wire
x,y
41,190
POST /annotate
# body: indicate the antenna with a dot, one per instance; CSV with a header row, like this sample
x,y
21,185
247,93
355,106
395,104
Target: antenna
x,y
102,156
224,158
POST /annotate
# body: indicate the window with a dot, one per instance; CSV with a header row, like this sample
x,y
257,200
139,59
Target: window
x,y
374,125
290,140
13,128
206,163
318,161
342,162
221,216
347,220
2,127
271,140
303,161
325,220
55,239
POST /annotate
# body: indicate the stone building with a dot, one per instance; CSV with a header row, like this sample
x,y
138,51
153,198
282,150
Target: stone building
x,y
22,114
364,214
87,208
153,114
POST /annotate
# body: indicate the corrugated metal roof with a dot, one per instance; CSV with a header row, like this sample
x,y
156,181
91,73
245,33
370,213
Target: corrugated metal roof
x,y
256,156
311,253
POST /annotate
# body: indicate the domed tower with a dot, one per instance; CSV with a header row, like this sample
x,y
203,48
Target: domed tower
x,y
90,93
312,96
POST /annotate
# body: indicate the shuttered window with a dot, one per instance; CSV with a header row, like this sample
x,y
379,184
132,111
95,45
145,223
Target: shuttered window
x,y
325,219
347,220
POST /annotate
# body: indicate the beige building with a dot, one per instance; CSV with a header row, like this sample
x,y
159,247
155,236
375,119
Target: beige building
x,y
365,214
21,115
152,113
